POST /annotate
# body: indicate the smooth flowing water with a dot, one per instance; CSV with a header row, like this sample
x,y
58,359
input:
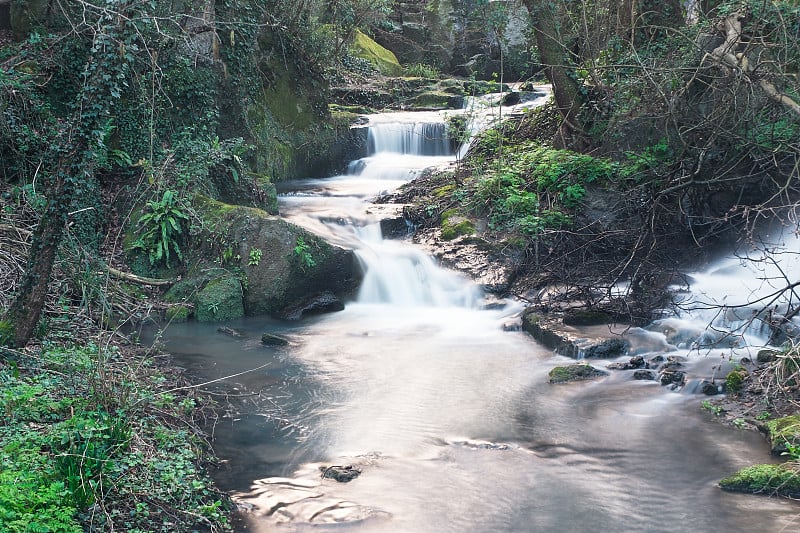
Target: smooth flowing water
x,y
448,415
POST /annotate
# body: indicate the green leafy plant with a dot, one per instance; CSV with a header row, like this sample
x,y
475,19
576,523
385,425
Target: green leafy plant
x,y
254,257
303,252
161,227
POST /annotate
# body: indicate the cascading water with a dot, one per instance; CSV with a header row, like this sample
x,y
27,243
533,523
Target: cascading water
x,y
448,418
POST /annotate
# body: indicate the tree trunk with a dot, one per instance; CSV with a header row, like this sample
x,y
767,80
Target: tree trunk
x,y
558,67
27,307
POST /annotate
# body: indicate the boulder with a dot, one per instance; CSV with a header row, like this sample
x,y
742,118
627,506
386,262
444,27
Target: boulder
x,y
284,265
220,300
326,302
384,60
644,375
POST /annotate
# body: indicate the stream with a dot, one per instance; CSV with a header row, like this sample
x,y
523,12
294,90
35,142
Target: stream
x,y
447,414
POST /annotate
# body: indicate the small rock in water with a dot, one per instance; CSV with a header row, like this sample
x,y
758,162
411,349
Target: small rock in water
x,y
635,362
576,372
671,376
607,349
644,375
230,332
270,339
709,389
342,474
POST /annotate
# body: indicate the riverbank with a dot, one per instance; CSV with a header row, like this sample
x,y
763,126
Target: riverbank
x,y
99,434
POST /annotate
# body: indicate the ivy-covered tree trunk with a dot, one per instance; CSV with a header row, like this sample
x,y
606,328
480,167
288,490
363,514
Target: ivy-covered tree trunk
x,y
554,55
74,157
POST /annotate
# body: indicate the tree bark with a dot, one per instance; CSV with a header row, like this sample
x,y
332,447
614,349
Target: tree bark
x,y
567,91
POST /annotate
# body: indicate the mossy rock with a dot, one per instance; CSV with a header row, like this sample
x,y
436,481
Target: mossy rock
x,y
452,230
782,431
178,313
436,100
283,264
586,317
734,381
576,372
770,479
220,300
384,60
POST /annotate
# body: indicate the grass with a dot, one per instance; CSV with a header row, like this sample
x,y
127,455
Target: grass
x,y
89,442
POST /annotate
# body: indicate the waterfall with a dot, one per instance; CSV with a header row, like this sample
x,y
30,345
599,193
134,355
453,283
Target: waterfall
x,y
409,138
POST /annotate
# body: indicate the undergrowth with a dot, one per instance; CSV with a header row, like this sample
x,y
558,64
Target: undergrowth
x,y
85,444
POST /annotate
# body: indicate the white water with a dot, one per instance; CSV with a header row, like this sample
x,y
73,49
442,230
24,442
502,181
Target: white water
x,y
449,417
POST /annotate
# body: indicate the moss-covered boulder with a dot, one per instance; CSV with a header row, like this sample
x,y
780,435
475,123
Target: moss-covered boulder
x,y
455,225
220,300
586,317
576,372
384,60
282,264
769,479
782,431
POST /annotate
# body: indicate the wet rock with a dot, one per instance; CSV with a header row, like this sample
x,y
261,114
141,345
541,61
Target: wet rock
x,y
634,363
607,349
782,432
709,389
767,356
270,339
230,332
586,317
672,377
342,474
325,302
394,228
220,300
644,375
577,372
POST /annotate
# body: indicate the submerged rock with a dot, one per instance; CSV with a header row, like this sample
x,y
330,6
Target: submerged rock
x,y
342,474
230,332
270,339
576,372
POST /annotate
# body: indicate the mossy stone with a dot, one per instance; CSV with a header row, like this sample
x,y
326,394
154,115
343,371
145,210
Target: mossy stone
x,y
734,381
384,60
576,372
782,480
220,300
782,431
178,313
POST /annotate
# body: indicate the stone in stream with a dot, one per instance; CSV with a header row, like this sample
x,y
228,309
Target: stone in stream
x,y
607,349
342,474
709,389
270,339
644,375
576,372
634,363
230,332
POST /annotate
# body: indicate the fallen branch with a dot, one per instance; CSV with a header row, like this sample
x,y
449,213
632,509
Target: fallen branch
x,y
127,276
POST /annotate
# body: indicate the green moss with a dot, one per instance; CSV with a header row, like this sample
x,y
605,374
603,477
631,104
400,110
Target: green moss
x,y
444,191
178,313
576,372
782,480
220,300
451,231
734,381
384,60
782,431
